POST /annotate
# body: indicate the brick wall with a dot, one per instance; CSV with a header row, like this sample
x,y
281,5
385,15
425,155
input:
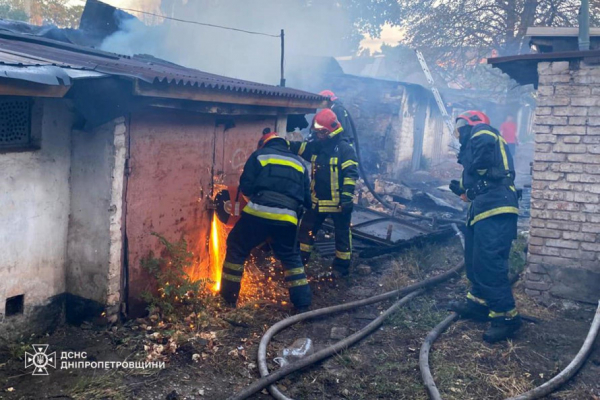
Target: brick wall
x,y
564,247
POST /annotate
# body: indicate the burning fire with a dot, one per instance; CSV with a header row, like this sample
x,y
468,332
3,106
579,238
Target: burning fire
x,y
263,279
216,251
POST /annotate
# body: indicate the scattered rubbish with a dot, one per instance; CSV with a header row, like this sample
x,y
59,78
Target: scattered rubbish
x,y
442,203
299,349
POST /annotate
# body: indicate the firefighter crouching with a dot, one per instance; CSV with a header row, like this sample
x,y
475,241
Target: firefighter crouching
x,y
277,185
488,184
334,170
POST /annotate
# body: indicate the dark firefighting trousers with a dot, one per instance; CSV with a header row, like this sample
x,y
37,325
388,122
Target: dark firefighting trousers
x,y
487,249
248,233
310,225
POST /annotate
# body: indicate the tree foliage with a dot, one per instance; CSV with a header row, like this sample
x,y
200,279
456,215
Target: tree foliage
x,y
52,12
455,35
59,13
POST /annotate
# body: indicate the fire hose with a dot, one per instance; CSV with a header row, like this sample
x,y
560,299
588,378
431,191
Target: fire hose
x,y
540,391
571,369
553,384
267,379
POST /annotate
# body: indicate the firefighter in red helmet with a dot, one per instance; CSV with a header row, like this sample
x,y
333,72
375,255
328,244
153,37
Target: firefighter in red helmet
x,y
342,115
488,185
277,185
334,174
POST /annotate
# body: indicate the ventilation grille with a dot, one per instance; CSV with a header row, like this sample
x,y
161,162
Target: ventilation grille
x,y
15,122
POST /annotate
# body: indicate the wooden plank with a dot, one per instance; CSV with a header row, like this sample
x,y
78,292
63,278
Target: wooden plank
x,y
14,87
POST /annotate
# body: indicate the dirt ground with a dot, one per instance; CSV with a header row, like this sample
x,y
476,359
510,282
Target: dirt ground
x,y
383,366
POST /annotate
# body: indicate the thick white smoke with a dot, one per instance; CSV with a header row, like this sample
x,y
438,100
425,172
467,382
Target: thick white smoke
x,y
315,28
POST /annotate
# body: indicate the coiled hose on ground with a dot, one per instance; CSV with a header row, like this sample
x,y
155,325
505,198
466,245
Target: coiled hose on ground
x,y
541,391
571,369
553,384
267,379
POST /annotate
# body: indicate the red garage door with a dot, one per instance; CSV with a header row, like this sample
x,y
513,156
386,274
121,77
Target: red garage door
x,y
175,158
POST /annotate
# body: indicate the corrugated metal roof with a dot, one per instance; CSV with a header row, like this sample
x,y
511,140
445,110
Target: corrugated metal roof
x,y
25,50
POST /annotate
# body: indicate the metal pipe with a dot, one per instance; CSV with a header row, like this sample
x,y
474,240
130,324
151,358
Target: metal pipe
x,y
584,25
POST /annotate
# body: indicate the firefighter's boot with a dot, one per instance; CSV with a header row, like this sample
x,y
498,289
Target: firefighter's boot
x,y
469,309
300,310
502,328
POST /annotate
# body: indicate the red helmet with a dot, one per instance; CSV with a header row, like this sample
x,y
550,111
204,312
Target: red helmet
x,y
474,118
330,94
326,124
265,138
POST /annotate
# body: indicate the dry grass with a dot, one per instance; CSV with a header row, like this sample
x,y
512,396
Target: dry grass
x,y
467,368
99,386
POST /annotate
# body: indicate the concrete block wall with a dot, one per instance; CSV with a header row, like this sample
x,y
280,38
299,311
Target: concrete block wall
x,y
34,215
564,247
95,251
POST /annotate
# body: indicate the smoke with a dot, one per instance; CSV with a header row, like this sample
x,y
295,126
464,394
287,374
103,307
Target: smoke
x,y
312,28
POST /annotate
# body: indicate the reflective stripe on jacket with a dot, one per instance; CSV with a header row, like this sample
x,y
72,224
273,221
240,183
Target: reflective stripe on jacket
x,y
486,159
334,171
277,183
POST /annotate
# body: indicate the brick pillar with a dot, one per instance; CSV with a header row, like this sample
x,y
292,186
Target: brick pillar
x,y
564,245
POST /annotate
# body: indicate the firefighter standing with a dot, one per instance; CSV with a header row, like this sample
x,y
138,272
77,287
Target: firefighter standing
x,y
277,185
334,169
342,114
488,184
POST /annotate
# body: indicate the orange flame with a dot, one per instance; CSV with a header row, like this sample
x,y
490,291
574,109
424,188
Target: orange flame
x,y
215,251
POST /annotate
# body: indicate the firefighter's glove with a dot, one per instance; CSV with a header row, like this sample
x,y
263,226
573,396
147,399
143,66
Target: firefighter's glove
x,y
347,204
455,188
470,194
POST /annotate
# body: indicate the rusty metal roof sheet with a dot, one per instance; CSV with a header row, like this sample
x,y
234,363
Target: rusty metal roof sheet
x,y
26,50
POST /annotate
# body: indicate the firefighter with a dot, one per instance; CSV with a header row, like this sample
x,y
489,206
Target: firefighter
x,y
276,182
488,186
342,115
334,170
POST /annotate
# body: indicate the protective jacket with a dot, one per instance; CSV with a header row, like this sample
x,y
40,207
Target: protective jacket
x,y
488,176
345,120
334,171
276,182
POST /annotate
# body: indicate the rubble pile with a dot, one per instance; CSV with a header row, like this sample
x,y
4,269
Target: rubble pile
x,y
420,194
